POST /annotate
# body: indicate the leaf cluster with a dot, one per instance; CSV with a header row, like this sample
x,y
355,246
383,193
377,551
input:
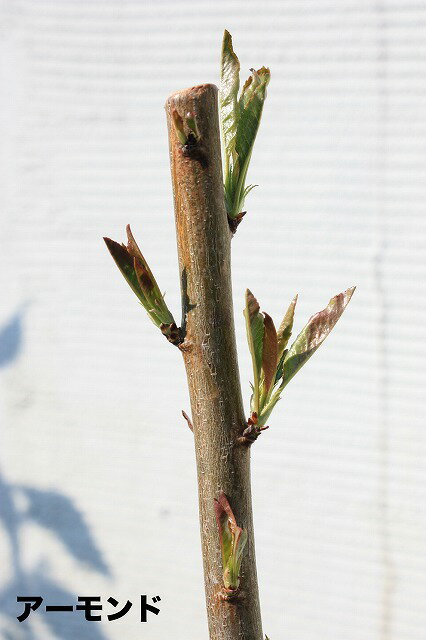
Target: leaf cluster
x,y
240,118
273,364
135,269
232,542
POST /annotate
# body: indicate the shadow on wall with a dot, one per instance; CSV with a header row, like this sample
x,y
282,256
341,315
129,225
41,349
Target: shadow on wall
x,y
57,515
54,512
11,338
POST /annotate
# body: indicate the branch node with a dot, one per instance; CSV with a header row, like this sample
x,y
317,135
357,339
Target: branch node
x,y
231,595
251,432
193,149
173,333
234,222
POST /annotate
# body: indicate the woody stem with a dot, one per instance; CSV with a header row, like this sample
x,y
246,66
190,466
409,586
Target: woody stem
x,y
209,352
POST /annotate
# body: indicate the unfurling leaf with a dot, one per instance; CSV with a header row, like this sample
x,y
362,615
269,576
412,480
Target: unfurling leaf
x,y
125,262
286,327
232,542
240,119
179,128
136,271
247,190
191,123
269,353
228,93
263,345
186,135
280,367
255,332
251,106
314,334
255,327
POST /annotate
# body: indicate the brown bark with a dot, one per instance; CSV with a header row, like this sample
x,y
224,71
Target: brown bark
x,y
209,352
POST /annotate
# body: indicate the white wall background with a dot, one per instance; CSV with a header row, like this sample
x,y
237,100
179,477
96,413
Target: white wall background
x,y
90,393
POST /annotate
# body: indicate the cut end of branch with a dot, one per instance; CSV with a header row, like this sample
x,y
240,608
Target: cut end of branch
x,y
191,92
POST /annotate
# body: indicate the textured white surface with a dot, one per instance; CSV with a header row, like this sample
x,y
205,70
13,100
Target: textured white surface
x,y
91,398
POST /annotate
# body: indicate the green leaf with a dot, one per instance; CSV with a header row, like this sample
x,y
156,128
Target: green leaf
x,y
240,119
268,408
179,128
286,327
234,563
136,271
313,335
280,368
228,92
249,188
232,541
251,107
269,354
144,274
125,263
147,282
192,124
254,87
255,331
222,510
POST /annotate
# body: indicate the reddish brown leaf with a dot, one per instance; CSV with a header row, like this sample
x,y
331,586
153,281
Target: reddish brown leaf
x,y
143,272
132,246
139,276
253,307
125,262
232,540
314,334
143,276
224,511
269,352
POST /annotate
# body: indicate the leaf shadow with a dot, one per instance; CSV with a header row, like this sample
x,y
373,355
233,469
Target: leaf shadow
x,y
64,625
57,514
11,338
67,626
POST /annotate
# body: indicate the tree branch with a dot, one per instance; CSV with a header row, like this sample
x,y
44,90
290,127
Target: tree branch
x,y
209,352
